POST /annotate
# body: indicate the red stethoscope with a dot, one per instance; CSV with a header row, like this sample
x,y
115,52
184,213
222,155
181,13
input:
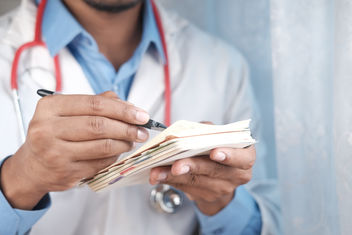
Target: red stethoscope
x,y
38,42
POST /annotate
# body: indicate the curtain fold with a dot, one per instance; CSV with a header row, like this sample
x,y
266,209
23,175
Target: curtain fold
x,y
300,55
303,71
342,111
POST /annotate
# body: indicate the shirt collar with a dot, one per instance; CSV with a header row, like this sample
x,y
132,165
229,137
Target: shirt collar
x,y
60,28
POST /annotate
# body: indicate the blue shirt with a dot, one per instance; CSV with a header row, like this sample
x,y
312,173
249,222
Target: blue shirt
x,y
60,30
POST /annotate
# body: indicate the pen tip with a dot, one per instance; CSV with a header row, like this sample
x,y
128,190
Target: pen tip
x,y
40,92
162,125
43,92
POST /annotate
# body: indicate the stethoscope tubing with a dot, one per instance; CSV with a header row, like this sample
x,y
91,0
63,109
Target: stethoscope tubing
x,y
19,117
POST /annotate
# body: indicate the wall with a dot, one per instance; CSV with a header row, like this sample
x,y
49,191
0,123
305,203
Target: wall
x,y
5,5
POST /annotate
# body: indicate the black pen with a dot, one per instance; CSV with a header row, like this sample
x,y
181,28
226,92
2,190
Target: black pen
x,y
151,124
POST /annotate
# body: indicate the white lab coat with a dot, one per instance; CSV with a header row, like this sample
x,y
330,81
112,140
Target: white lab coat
x,y
209,81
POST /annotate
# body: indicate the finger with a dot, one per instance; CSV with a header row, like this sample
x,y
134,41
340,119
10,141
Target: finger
x,y
239,158
89,168
198,194
94,105
159,174
94,149
110,94
113,95
205,166
202,166
190,197
163,175
82,128
200,181
207,122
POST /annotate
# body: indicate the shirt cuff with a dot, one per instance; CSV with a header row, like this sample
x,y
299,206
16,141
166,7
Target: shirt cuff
x,y
16,221
234,218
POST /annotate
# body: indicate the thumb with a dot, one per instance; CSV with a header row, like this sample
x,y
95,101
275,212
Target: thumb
x,y
110,94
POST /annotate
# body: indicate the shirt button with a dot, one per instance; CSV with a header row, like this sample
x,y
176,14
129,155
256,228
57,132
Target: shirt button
x,y
88,42
218,231
116,88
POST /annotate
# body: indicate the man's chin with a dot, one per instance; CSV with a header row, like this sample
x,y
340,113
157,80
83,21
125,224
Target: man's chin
x,y
116,6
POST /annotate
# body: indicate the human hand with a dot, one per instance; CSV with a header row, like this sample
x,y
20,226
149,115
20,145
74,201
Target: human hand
x,y
70,137
211,180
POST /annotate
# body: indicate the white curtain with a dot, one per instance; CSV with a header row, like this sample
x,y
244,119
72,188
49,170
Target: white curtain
x,y
300,53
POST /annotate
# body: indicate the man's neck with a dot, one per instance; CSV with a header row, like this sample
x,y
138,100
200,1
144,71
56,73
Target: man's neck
x,y
117,34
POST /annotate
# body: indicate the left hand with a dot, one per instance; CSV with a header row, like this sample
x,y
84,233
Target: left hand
x,y
211,180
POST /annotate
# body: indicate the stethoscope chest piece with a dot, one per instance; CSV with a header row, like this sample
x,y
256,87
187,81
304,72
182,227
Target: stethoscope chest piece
x,y
166,199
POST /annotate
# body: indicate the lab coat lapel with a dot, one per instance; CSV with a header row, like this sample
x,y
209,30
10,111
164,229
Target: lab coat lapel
x,y
74,79
21,29
148,85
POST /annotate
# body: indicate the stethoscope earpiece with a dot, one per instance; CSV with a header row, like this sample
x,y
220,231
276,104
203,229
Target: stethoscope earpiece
x,y
166,199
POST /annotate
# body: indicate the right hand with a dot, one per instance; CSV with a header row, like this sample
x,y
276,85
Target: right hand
x,y
71,137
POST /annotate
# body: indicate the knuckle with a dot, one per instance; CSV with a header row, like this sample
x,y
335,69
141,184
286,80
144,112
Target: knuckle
x,y
194,179
197,166
218,169
107,146
226,190
36,132
43,102
250,163
245,177
38,138
126,112
97,125
111,94
131,132
95,103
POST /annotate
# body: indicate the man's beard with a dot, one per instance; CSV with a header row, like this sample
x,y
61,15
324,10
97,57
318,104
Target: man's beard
x,y
115,6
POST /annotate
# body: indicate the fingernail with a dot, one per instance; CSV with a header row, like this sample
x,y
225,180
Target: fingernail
x,y
162,176
142,117
220,156
184,170
142,135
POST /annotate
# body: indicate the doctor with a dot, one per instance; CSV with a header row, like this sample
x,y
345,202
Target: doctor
x,y
128,48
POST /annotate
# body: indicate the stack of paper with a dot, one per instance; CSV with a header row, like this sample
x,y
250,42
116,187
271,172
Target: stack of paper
x,y
181,140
